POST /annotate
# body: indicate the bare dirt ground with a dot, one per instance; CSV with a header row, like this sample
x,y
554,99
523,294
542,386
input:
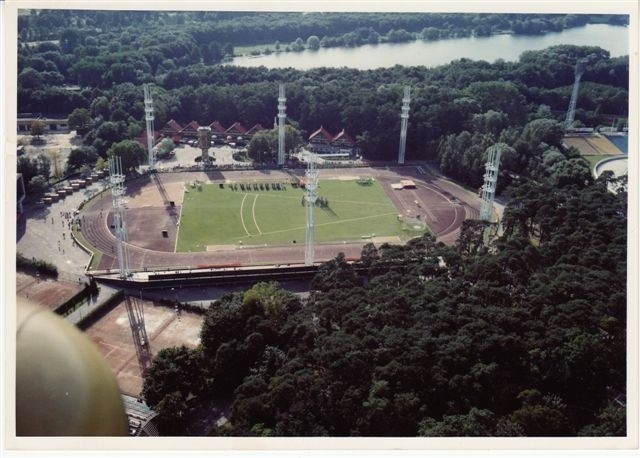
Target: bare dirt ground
x,y
56,147
112,334
48,293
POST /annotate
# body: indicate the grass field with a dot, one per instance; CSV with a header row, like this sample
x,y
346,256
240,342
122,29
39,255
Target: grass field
x,y
593,160
215,216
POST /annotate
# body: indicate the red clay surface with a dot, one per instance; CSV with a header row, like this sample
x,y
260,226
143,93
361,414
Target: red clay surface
x,y
112,335
443,205
48,293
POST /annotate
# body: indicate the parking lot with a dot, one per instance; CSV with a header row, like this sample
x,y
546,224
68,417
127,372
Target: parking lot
x,y
185,156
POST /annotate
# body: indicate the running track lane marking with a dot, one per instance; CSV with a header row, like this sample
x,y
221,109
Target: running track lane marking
x,y
253,211
175,247
242,217
455,206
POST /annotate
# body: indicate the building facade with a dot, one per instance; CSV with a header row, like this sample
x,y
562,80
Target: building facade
x,y
324,143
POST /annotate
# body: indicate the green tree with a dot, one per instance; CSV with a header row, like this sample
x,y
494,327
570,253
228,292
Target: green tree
x,y
30,78
100,108
273,300
297,45
27,167
227,49
476,423
107,135
173,376
37,128
80,121
611,421
69,39
501,96
101,164
547,131
430,33
173,369
335,274
399,36
38,185
131,153
43,165
88,72
80,157
165,147
313,42
261,147
221,323
266,141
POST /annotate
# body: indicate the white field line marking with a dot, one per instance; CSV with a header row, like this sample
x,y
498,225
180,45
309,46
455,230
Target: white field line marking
x,y
378,204
253,211
242,217
330,223
175,248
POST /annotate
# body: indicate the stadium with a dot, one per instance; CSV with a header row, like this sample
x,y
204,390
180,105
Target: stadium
x,y
241,218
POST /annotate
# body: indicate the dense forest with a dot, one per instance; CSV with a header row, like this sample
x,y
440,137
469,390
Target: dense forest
x,y
96,62
343,29
457,110
526,338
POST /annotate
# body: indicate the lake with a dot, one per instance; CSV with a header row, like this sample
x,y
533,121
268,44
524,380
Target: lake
x,y
614,39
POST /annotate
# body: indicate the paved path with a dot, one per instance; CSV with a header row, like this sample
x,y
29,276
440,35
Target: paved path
x,y
40,238
42,233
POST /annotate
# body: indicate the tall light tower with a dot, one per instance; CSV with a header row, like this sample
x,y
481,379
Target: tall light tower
x,y
488,190
581,66
281,118
116,178
310,197
135,309
405,118
149,117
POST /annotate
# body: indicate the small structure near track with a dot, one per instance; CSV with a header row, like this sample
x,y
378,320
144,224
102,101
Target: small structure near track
x,y
404,184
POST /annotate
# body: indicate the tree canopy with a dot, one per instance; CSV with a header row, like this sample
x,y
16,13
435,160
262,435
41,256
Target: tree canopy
x,y
526,338
131,153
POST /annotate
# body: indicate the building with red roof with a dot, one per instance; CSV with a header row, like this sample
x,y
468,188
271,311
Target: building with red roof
x,y
190,130
236,133
257,128
343,141
236,129
172,130
322,142
217,128
142,138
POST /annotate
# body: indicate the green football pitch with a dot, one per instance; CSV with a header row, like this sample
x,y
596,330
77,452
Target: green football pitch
x,y
221,216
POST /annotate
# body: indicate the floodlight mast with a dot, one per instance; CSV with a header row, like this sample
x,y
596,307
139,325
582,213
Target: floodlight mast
x,y
149,118
135,308
310,197
116,178
581,66
405,118
488,190
281,119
